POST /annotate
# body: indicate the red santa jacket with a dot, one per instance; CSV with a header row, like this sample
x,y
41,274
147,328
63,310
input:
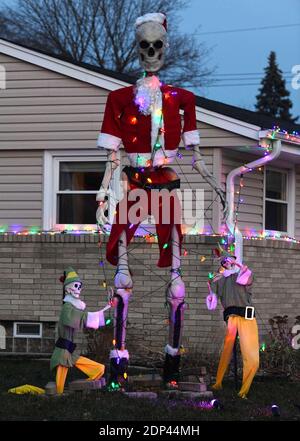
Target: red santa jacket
x,y
124,122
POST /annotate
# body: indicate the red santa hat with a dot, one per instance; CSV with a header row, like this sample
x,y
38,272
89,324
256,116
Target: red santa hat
x,y
156,17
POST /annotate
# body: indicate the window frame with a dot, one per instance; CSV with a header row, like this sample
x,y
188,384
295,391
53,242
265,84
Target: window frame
x,y
290,198
16,335
52,160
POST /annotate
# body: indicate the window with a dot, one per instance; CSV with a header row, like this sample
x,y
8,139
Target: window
x,y
276,200
27,330
71,182
77,186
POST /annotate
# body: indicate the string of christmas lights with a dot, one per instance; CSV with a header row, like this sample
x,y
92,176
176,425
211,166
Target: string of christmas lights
x,y
276,130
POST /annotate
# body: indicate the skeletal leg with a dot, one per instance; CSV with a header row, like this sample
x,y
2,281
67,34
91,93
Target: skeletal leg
x,y
175,297
123,277
123,284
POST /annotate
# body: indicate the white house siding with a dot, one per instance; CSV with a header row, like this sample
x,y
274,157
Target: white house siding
x,y
44,110
21,176
41,109
250,213
297,205
212,136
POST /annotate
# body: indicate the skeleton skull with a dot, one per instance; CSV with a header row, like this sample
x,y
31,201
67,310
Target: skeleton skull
x,y
152,42
228,262
74,289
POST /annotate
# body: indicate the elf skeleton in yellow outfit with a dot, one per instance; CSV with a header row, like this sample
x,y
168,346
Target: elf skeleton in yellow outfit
x,y
73,316
233,287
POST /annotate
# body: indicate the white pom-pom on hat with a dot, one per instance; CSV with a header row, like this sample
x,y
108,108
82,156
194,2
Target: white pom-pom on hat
x,y
157,17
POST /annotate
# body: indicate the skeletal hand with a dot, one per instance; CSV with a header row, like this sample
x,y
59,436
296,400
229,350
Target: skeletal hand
x,y
243,269
222,196
211,301
101,214
102,220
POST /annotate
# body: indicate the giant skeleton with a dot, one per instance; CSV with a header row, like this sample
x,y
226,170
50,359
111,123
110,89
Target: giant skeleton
x,y
146,118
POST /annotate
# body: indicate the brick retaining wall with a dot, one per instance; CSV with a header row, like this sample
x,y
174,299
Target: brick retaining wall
x,y
30,267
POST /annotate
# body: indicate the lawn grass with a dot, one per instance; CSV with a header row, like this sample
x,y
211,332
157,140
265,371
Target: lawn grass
x,y
105,406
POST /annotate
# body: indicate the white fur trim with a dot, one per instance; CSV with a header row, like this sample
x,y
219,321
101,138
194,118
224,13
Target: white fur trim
x,y
152,16
95,320
191,138
149,89
79,304
171,351
148,94
242,279
109,142
162,157
157,123
115,353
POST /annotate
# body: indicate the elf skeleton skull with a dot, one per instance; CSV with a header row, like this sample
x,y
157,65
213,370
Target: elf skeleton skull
x,y
74,288
152,42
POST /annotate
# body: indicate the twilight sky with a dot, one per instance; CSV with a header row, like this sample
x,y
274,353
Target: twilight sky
x,y
241,53
245,52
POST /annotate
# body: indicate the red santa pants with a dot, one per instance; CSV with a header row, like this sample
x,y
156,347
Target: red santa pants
x,y
165,208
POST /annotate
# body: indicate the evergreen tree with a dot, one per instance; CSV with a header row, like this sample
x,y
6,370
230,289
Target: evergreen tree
x,y
273,98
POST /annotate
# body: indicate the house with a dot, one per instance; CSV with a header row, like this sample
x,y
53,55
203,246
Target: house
x,y
50,115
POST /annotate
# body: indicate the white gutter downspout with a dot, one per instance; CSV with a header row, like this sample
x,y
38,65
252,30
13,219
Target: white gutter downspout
x,y
276,149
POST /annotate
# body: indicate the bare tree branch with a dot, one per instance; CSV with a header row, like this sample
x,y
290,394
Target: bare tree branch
x,y
101,32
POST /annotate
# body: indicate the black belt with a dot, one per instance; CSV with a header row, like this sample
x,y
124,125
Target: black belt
x,y
141,178
63,343
248,312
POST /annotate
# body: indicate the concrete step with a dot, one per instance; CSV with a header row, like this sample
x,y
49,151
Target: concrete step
x,y
79,385
192,387
149,395
178,394
144,377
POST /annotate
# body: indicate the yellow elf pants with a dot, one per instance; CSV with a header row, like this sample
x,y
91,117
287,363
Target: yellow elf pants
x,y
93,369
248,335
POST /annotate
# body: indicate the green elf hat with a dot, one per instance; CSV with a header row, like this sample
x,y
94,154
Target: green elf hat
x,y
70,276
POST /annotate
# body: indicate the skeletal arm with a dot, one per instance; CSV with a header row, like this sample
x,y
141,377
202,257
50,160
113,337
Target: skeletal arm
x,y
102,196
200,166
245,276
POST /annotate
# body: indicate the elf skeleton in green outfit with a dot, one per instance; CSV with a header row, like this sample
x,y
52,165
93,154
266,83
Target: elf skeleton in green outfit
x,y
73,316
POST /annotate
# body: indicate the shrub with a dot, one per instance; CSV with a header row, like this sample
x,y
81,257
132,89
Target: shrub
x,y
277,354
